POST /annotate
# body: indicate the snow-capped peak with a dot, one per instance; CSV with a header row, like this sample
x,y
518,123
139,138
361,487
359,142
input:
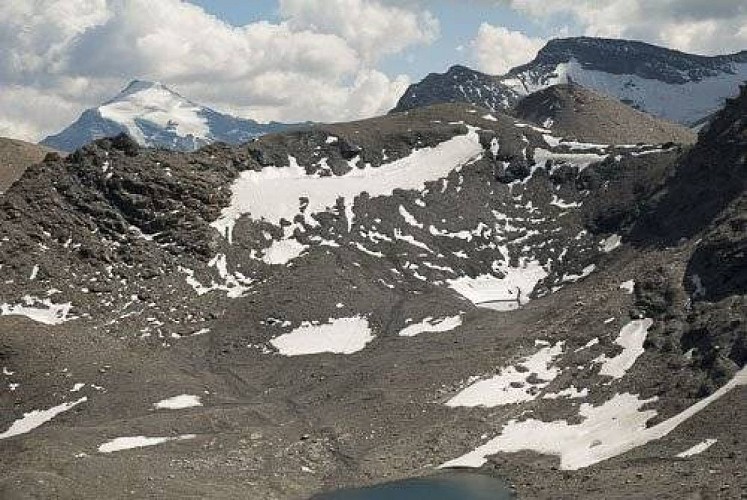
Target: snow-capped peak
x,y
144,105
676,86
156,116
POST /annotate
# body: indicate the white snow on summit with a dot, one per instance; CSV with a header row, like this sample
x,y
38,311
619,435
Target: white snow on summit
x,y
684,103
152,104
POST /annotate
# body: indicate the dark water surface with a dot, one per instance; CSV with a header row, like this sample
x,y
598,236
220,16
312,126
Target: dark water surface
x,y
446,486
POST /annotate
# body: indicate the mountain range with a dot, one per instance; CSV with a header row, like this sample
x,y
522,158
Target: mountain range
x,y
156,116
555,296
679,87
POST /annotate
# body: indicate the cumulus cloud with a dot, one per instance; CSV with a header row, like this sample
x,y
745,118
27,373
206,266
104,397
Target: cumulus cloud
x,y
497,49
60,56
373,28
705,27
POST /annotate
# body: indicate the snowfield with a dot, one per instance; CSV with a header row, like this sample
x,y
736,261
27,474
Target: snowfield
x,y
512,385
274,193
608,430
631,339
681,103
338,336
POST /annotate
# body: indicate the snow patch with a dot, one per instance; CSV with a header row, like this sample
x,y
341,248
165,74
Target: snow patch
x,y
338,336
502,294
36,418
131,442
430,325
612,243
39,310
178,402
628,286
698,448
631,339
512,385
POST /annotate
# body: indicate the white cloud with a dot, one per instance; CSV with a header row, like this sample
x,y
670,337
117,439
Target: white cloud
x,y
705,27
60,56
373,28
497,49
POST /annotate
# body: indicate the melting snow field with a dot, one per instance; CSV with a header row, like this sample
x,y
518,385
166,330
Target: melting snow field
x,y
283,251
128,443
339,336
631,339
698,448
274,193
608,430
502,294
430,325
41,311
36,418
512,384
178,402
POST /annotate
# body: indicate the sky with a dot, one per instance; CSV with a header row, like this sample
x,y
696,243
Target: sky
x,y
297,60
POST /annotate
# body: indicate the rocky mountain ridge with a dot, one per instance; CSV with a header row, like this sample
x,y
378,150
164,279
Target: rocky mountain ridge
x,y
349,303
459,84
669,84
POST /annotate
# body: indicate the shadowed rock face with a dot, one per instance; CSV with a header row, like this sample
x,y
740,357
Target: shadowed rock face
x,y
573,111
458,84
705,203
710,178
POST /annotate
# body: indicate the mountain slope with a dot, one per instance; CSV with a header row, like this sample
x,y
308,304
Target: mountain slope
x,y
572,111
673,85
359,301
15,157
458,84
155,116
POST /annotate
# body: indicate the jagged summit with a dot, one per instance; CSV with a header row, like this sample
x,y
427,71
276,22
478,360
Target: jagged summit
x,y
573,111
458,84
676,86
679,87
632,57
140,85
156,116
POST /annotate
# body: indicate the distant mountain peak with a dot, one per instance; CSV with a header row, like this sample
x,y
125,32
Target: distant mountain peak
x,y
458,84
156,116
666,83
669,84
